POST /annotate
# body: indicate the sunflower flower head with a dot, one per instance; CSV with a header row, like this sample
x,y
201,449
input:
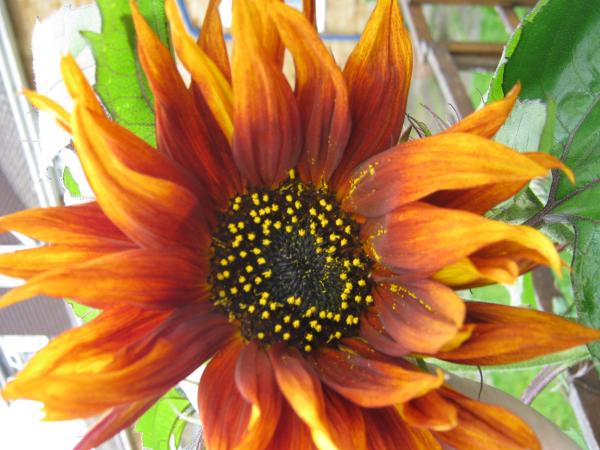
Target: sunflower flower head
x,y
284,237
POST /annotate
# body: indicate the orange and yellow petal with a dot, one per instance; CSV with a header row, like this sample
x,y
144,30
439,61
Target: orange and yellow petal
x,y
321,96
255,380
164,278
371,383
410,310
212,40
214,87
78,225
181,132
504,335
291,433
267,133
346,421
481,425
151,211
415,169
31,262
488,120
301,387
421,238
115,362
43,103
77,85
481,199
378,77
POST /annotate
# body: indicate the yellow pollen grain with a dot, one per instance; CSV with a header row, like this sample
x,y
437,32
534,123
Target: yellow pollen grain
x,y
286,319
277,225
309,337
312,211
362,283
338,334
265,315
251,236
296,323
265,198
275,207
262,301
261,261
302,232
249,268
257,280
241,279
339,222
243,253
251,308
290,211
288,228
260,335
286,336
272,306
291,300
289,198
298,301
277,328
266,242
307,348
236,207
222,293
344,305
257,220
247,287
337,317
256,251
233,290
322,314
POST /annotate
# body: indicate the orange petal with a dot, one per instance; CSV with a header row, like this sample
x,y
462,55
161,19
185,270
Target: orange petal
x,y
371,383
373,332
310,12
151,211
43,103
121,365
211,38
267,134
78,86
346,421
115,420
378,77
320,93
486,426
301,387
388,431
415,169
84,225
181,131
481,199
224,413
207,76
424,238
429,411
488,120
31,262
255,380
162,278
421,316
504,335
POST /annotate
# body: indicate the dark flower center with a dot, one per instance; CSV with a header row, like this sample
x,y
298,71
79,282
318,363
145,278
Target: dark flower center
x,y
288,265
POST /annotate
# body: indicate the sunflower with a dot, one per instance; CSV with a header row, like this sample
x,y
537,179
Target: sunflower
x,y
284,236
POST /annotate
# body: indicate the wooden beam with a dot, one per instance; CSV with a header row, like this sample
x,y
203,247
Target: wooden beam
x,y
509,18
508,3
446,73
474,48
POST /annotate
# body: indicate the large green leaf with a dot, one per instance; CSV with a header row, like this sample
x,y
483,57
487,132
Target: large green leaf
x,y
120,81
162,424
556,57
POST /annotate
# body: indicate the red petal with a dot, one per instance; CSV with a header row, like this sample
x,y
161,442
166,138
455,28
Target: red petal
x,y
291,433
224,413
267,134
321,95
429,411
114,421
163,278
505,334
371,383
255,380
212,40
378,77
388,432
181,132
421,316
138,359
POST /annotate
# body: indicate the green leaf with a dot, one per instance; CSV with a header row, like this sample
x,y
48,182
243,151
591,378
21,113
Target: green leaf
x,y
85,313
70,184
162,424
120,81
555,56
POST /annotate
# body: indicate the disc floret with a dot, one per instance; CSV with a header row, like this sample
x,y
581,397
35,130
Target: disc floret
x,y
288,265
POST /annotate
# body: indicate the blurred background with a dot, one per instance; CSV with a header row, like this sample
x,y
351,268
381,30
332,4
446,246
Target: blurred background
x,y
458,44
